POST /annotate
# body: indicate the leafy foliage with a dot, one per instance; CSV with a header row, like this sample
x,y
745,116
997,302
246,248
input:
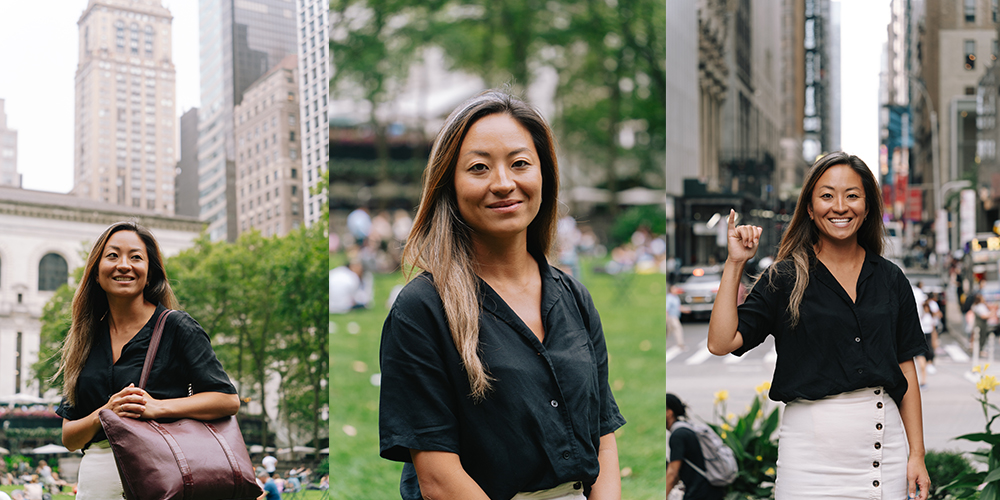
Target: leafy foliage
x,y
750,436
952,476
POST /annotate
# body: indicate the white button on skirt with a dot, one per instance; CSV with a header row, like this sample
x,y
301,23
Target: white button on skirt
x,y
848,446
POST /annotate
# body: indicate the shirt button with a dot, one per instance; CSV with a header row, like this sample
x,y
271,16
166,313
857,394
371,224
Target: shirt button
x,y
554,403
566,455
878,426
878,405
878,446
857,339
875,464
878,391
577,485
875,484
861,370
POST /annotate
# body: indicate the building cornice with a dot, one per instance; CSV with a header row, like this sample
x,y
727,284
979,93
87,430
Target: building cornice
x,y
96,215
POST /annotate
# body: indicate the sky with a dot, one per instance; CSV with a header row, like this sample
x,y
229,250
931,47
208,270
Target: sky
x,y
863,25
38,57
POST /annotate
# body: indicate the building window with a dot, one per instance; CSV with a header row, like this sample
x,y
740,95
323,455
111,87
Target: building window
x,y
994,9
970,54
970,11
52,272
120,36
291,136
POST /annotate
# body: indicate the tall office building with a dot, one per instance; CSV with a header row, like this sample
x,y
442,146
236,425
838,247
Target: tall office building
x,y
268,162
124,138
240,40
8,153
186,182
312,20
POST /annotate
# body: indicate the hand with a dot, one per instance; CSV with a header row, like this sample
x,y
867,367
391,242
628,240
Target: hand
x,y
129,402
916,475
743,240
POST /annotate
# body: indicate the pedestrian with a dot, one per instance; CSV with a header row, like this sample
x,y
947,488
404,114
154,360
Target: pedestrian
x,y
674,325
269,463
123,293
684,450
494,365
267,485
927,321
846,331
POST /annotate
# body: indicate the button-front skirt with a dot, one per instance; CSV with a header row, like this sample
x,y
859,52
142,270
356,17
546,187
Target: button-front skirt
x,y
847,446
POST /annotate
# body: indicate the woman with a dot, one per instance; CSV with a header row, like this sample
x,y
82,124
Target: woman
x,y
494,367
846,331
123,291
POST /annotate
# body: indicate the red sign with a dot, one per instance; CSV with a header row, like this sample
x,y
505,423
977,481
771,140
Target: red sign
x,y
915,205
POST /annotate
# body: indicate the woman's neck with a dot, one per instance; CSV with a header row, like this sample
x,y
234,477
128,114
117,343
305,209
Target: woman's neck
x,y
839,252
503,260
124,312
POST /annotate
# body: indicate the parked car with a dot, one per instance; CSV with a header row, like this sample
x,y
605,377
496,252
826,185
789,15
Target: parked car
x,y
698,287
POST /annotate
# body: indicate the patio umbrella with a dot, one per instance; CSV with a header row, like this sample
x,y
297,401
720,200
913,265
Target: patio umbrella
x,y
49,449
4,451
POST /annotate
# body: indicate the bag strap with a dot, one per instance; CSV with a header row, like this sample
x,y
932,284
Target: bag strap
x,y
154,345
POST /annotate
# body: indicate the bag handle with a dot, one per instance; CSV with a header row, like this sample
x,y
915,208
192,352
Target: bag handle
x,y
154,345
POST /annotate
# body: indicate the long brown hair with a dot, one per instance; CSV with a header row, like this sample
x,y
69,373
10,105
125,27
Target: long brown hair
x,y
90,303
800,237
440,240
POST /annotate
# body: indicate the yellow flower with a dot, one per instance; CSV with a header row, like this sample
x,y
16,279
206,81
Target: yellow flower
x,y
760,458
977,369
727,427
769,471
986,383
760,413
730,416
721,396
723,435
766,386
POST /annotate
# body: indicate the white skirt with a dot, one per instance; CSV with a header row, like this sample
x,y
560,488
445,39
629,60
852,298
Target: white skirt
x,y
566,491
847,446
98,475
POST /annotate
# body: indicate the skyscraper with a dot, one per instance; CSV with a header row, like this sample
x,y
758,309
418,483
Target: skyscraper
x,y
8,153
240,40
313,19
268,163
124,137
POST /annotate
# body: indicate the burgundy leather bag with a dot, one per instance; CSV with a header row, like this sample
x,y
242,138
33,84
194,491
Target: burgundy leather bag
x,y
185,459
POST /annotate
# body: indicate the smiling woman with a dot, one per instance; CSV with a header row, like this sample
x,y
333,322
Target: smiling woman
x,y
124,290
494,366
846,332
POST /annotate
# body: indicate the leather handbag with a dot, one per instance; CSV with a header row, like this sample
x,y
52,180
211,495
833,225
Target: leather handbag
x,y
184,459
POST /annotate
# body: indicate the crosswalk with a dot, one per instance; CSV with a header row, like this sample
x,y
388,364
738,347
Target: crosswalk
x,y
766,354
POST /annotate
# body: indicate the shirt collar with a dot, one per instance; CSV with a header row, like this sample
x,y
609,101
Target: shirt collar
x,y
551,281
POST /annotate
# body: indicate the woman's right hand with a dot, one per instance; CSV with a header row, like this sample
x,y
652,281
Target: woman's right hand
x,y
742,240
129,402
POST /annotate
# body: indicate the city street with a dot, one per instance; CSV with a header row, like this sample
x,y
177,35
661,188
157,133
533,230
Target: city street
x,y
949,404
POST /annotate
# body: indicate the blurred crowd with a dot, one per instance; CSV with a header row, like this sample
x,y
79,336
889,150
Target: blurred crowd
x,y
374,244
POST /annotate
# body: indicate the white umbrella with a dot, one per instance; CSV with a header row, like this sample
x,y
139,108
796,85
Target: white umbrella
x,y
4,451
49,449
303,449
256,448
325,451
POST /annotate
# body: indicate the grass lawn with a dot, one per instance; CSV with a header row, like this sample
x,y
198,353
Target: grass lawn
x,y
305,495
632,314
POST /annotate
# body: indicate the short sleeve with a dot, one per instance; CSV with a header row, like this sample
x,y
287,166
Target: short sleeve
x,y
758,313
910,339
204,371
417,398
68,412
611,417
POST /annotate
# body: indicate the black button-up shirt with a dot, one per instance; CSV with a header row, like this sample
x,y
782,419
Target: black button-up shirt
x,y
540,425
184,358
839,345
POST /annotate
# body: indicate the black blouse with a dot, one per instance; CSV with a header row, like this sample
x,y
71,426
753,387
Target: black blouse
x,y
541,424
185,358
839,345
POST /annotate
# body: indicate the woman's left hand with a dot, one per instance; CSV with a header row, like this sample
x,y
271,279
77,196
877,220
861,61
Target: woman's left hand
x,y
916,476
151,410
